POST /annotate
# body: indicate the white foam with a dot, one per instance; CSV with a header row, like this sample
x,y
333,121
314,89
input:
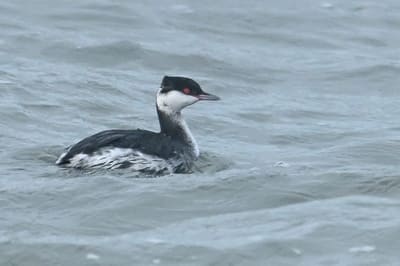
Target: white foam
x,y
362,249
326,5
183,9
155,240
5,82
92,256
297,251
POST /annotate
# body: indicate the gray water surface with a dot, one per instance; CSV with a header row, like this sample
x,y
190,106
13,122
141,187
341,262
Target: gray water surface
x,y
300,160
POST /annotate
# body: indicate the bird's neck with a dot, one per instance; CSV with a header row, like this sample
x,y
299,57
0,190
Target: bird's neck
x,y
172,124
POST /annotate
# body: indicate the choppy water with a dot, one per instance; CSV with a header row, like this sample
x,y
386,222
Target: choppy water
x,y
300,161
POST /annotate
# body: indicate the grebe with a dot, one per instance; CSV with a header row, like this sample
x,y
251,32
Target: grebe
x,y
172,150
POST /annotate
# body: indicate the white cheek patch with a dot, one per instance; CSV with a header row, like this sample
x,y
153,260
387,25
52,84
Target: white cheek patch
x,y
174,101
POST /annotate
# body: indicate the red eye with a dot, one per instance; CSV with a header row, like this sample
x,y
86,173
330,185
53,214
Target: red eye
x,y
186,91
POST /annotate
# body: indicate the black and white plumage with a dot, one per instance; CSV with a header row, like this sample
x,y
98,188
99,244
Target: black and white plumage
x,y
172,150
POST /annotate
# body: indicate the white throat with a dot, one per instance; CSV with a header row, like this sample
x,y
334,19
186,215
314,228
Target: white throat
x,y
189,137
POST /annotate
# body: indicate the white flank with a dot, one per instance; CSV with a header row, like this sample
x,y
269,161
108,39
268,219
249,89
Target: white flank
x,y
113,158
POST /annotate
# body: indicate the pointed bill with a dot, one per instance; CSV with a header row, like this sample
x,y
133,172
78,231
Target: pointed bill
x,y
208,97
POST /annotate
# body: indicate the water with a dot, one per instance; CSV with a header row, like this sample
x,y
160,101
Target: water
x,y
300,161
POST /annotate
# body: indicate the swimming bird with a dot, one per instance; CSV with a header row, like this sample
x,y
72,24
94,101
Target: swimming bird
x,y
172,150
